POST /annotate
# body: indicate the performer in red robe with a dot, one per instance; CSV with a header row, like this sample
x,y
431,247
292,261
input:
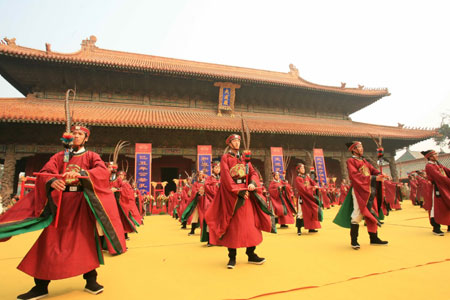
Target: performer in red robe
x,y
238,213
323,193
192,214
361,201
122,197
281,201
309,212
440,201
344,190
211,188
72,248
392,195
128,199
413,191
185,198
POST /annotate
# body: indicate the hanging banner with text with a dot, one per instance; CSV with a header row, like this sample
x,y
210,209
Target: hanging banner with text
x,y
277,160
143,167
204,157
321,170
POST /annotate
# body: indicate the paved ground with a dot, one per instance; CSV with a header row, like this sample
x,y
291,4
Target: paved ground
x,y
164,263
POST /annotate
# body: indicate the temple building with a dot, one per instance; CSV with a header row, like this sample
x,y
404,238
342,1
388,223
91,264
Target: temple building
x,y
176,105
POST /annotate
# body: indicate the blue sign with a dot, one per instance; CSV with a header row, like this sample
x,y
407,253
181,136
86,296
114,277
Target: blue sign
x,y
205,163
277,165
320,168
226,97
143,172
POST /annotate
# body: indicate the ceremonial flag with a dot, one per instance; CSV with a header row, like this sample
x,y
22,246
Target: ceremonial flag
x,y
277,160
204,157
321,170
143,167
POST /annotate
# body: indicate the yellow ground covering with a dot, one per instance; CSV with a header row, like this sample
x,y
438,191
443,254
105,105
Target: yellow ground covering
x,y
163,262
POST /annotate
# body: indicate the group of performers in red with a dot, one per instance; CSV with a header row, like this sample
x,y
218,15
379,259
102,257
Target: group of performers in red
x,y
98,208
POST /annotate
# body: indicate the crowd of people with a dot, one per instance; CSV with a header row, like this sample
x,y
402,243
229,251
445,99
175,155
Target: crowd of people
x,y
85,205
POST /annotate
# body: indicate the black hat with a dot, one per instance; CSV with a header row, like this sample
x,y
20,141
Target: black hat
x,y
352,145
428,153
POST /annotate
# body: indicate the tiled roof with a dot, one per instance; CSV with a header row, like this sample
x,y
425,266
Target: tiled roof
x,y
89,54
31,110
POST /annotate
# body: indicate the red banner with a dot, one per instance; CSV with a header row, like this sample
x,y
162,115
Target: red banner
x,y
143,167
204,157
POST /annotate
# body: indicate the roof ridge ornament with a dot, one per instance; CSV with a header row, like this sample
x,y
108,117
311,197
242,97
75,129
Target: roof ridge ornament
x,y
89,44
293,70
9,42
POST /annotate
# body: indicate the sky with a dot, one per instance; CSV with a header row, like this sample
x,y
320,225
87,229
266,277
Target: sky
x,y
400,45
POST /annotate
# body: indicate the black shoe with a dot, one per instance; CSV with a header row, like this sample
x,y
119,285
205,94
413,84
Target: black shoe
x,y
375,240
231,263
209,245
438,232
355,246
33,294
93,287
191,233
299,231
255,259
283,226
313,230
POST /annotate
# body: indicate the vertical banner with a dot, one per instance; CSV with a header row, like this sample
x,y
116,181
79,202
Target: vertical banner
x,y
204,157
226,97
143,167
321,170
277,160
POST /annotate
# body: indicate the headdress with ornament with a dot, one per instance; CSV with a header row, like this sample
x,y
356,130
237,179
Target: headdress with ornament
x,y
298,166
215,163
352,145
82,127
120,145
428,153
232,137
245,131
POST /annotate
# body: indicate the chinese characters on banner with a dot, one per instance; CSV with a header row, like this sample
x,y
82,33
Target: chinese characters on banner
x,y
277,160
204,157
143,167
226,97
321,170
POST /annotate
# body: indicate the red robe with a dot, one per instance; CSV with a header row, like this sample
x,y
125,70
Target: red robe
x,y
344,191
73,247
211,189
279,196
413,191
425,193
440,178
122,203
324,196
185,199
129,202
171,203
391,194
310,207
230,225
362,176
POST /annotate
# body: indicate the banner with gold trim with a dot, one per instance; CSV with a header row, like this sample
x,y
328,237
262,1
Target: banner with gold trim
x,y
143,167
277,160
321,171
204,157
